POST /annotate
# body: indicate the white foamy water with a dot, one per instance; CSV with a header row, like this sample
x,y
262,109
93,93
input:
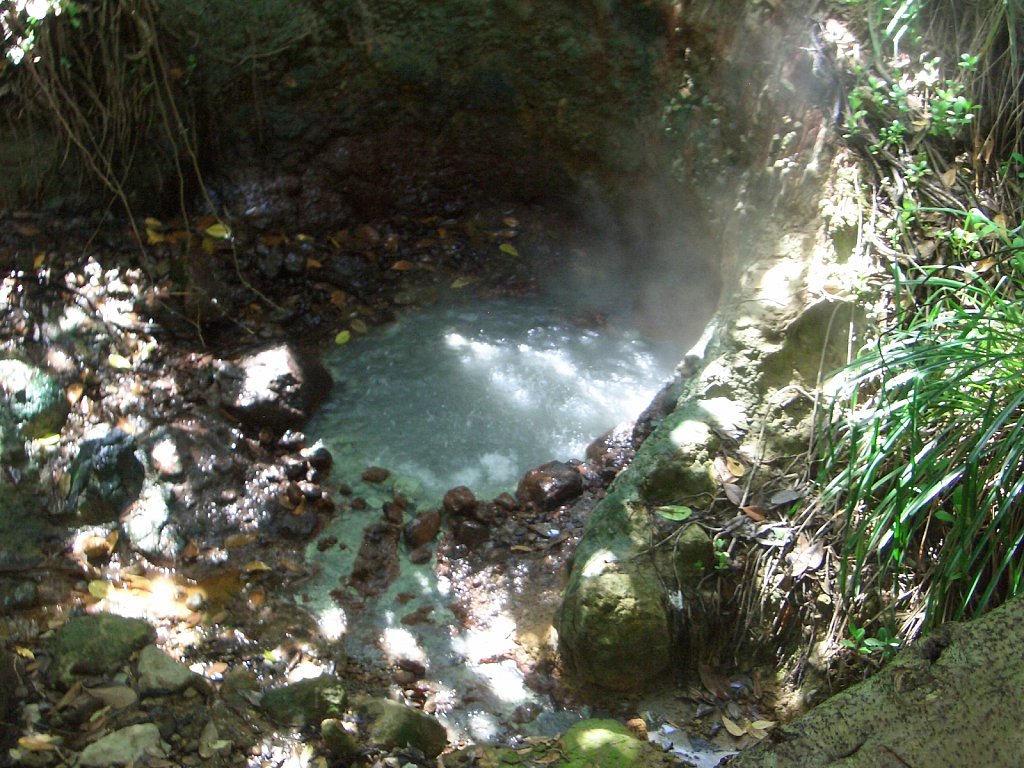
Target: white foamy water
x,y
477,395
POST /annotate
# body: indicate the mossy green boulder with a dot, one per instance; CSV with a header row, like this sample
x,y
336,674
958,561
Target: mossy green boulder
x,y
95,645
306,701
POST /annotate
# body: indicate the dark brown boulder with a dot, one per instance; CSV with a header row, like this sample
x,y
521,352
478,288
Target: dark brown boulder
x,y
550,485
423,528
459,501
277,387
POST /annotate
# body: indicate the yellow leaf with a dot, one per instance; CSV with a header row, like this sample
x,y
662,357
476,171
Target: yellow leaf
x,y
120,362
462,282
313,264
153,237
39,261
40,743
734,466
218,231
762,725
509,249
74,393
46,441
99,588
256,566
152,223
25,653
1000,220
304,238
948,178
342,337
403,265
209,245
732,727
358,325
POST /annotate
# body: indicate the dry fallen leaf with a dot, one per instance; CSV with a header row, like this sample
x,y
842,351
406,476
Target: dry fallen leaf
x,y
715,683
732,727
806,556
403,265
757,514
508,248
735,467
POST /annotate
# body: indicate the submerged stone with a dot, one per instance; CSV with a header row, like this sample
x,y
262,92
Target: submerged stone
x,y
550,485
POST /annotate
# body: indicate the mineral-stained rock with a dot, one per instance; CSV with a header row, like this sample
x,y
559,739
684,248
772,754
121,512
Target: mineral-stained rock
x,y
307,701
95,645
550,485
423,528
459,501
277,388
390,724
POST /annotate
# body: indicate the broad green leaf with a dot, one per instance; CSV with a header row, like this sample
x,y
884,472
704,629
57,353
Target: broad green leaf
x,y
343,337
675,512
509,249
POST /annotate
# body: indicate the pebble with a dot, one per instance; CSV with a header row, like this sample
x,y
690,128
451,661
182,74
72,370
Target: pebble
x,y
376,474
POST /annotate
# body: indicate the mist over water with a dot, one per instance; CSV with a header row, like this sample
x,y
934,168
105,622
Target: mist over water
x,y
478,394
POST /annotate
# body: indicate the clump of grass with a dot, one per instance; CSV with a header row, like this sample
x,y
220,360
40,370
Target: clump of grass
x,y
924,450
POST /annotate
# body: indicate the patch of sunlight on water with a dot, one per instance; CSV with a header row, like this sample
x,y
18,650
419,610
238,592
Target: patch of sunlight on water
x,y
476,395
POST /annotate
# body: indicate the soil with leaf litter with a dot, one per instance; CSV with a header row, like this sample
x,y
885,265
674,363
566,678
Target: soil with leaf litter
x,y
154,308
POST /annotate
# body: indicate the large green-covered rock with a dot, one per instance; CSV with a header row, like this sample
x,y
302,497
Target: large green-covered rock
x,y
607,743
34,398
390,724
95,645
306,701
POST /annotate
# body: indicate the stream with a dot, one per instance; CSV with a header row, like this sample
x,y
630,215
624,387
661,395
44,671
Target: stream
x,y
472,393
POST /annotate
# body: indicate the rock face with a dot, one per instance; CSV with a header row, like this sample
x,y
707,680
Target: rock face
x,y
932,707
277,388
95,645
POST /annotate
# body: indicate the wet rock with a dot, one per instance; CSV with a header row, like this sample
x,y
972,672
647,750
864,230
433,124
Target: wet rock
x,y
276,388
297,523
147,525
612,451
459,501
376,565
506,502
339,742
421,555
376,474
423,528
95,645
106,477
294,469
319,458
165,458
472,533
17,594
390,725
307,701
160,675
292,440
33,397
550,485
126,746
